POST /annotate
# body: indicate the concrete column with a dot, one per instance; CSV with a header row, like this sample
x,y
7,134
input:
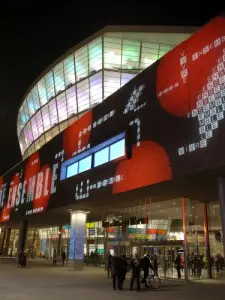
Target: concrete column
x,y
22,236
221,184
77,239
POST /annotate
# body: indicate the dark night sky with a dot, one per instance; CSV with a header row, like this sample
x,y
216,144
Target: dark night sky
x,y
34,33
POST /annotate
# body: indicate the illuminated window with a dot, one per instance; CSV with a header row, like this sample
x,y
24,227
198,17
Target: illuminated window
x,y
112,53
69,71
81,63
96,88
36,98
117,150
30,104
71,101
34,128
39,121
126,77
111,82
149,54
130,56
95,56
46,119
50,85
107,151
61,107
42,92
59,78
83,95
53,112
72,170
101,157
85,164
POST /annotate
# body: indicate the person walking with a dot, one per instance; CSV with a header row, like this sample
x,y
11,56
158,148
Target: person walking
x,y
178,265
145,265
123,270
109,265
54,258
116,275
63,257
135,268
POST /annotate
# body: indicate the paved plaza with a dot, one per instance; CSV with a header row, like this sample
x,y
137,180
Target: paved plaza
x,y
42,281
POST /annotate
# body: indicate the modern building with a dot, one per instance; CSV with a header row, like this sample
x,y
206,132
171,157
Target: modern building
x,y
88,74
123,151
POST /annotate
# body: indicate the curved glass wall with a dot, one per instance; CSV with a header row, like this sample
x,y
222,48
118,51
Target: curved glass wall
x,y
82,80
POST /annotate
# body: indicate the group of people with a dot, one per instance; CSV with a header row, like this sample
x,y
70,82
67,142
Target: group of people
x,y
118,266
63,257
199,262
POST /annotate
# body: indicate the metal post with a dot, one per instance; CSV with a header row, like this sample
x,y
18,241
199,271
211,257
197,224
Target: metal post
x,y
207,244
185,240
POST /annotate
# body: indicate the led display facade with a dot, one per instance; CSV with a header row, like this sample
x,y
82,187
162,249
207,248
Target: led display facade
x,y
171,117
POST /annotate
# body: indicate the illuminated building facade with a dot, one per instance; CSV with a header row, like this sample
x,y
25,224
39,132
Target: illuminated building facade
x,y
141,167
87,75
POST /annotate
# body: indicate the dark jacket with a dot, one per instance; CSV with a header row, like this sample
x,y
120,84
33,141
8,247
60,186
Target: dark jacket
x,y
145,263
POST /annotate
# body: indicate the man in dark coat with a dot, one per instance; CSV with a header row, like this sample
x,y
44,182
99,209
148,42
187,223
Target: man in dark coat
x,y
116,272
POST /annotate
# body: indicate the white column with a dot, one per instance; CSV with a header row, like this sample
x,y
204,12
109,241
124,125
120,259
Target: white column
x,y
77,239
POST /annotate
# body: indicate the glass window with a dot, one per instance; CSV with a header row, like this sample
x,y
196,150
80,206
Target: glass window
x,y
130,57
72,170
53,112
95,56
28,135
39,122
23,145
71,101
34,128
149,54
46,118
50,85
117,150
111,82
101,157
30,104
61,107
85,164
81,63
96,88
112,53
42,92
59,78
36,98
69,71
83,95
126,77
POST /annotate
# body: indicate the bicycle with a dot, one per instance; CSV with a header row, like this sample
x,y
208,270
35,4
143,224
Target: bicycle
x,y
153,280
